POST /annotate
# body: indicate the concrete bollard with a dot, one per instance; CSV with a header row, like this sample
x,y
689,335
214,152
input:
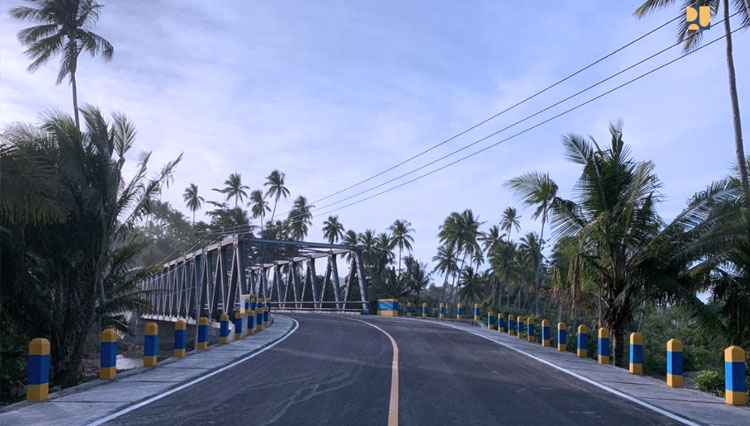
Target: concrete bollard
x,y
409,309
108,354
224,329
151,345
546,335
511,325
203,333
602,348
250,322
491,321
253,302
477,314
531,335
258,319
238,320
247,313
424,310
37,371
562,337
267,314
460,311
501,322
180,339
520,327
674,363
636,353
582,341
441,312
734,376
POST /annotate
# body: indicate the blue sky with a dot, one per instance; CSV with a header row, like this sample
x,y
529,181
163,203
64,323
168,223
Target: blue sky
x,y
331,92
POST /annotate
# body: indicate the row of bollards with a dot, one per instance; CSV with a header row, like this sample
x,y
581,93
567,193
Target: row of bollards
x,y
256,317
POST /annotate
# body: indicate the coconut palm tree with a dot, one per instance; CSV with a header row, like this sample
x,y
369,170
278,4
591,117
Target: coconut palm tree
x,y
258,206
401,230
504,266
300,218
461,230
472,286
276,189
537,190
416,276
333,230
446,262
510,220
193,201
691,40
491,239
384,247
350,238
64,29
233,188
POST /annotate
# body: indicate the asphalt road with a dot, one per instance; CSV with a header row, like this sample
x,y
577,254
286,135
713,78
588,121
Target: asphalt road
x,y
336,370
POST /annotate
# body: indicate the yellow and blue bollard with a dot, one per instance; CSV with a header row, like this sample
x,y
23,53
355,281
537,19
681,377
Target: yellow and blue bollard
x,y
108,354
546,334
180,339
238,326
602,348
460,311
477,314
258,319
247,313
267,314
441,312
253,302
674,363
511,325
203,333
37,371
734,376
250,322
636,353
582,341
520,327
224,329
491,321
501,322
151,345
424,310
531,329
562,337
409,309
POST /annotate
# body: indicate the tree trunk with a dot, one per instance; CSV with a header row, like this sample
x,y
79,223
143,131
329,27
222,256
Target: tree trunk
x,y
75,99
538,275
618,344
739,147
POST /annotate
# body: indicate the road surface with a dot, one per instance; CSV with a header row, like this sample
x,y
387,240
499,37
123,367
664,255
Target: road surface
x,y
337,370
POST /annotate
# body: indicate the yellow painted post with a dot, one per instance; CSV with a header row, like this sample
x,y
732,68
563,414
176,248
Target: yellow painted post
x,y
531,329
562,337
258,319
546,335
224,329
582,347
477,314
460,311
108,354
603,346
151,345
520,327
674,363
441,312
238,320
491,321
501,322
424,310
636,353
511,325
180,339
734,376
37,371
267,313
409,309
203,333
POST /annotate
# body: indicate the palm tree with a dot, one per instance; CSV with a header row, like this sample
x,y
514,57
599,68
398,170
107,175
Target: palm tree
x,y
64,28
276,188
367,240
510,220
491,239
446,263
193,201
300,218
350,238
333,230
691,40
233,188
504,266
461,230
536,189
401,230
416,276
258,206
472,286
384,247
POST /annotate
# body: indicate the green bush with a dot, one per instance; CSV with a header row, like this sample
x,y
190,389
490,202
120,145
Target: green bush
x,y
709,381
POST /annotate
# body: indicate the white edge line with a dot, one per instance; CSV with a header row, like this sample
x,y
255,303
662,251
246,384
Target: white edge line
x,y
194,381
585,379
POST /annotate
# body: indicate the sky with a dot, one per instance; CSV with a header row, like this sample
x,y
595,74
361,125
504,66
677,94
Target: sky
x,y
332,92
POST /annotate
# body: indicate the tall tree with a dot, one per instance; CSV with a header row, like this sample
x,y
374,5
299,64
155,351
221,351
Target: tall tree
x,y
300,218
333,230
491,239
401,230
446,262
472,286
233,188
193,201
258,205
64,29
510,220
538,190
276,189
691,39
416,276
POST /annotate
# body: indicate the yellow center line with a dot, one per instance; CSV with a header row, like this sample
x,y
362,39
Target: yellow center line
x,y
393,407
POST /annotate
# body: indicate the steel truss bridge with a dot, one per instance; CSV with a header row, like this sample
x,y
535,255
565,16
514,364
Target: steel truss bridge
x,y
216,278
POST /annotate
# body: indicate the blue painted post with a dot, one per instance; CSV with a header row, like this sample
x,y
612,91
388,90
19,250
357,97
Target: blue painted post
x,y
460,311
238,326
511,325
409,309
531,329
203,333
151,345
582,341
520,327
180,339
258,319
224,329
477,313
424,310
603,346
250,321
546,334
108,354
442,311
247,313
674,363
562,337
267,314
501,322
253,302
37,371
491,321
734,376
636,353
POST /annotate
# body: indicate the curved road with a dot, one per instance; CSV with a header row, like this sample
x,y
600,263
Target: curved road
x,y
337,370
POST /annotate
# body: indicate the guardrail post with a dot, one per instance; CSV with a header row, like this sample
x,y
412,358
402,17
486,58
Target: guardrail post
x,y
562,337
734,376
477,314
424,310
409,309
250,322
582,341
37,371
546,335
258,319
520,327
267,314
238,326
248,312
253,302
511,325
224,329
531,329
180,339
151,345
491,321
441,312
674,363
603,346
108,354
501,322
460,311
203,333
636,353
